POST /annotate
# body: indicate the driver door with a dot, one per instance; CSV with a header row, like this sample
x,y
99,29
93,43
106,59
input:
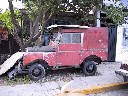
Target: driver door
x,y
69,49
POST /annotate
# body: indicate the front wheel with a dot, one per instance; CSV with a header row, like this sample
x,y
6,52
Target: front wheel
x,y
36,72
89,68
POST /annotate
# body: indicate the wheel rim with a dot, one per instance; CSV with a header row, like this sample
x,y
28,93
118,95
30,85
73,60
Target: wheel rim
x,y
90,68
36,72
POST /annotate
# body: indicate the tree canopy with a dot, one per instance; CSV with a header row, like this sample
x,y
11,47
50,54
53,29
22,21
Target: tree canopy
x,y
6,18
40,11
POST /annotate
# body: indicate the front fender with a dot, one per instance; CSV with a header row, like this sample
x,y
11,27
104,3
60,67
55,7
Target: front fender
x,y
30,57
49,57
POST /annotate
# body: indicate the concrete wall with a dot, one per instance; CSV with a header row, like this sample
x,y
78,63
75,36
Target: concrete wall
x,y
122,43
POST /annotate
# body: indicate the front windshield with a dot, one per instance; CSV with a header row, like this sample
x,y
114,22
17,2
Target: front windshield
x,y
54,36
55,39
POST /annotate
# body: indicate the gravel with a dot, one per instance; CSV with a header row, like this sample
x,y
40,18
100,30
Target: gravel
x,y
65,75
57,78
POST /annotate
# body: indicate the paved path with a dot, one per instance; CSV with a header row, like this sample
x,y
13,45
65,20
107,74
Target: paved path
x,y
106,76
34,89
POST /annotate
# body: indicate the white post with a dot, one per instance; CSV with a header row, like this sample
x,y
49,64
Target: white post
x,y
98,19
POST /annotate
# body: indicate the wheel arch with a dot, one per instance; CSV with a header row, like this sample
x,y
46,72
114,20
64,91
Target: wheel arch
x,y
94,58
39,61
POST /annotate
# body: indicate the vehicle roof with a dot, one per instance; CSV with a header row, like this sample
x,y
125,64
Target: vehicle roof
x,y
69,26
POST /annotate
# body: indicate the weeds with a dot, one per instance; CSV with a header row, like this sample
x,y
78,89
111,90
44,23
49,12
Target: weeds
x,y
23,79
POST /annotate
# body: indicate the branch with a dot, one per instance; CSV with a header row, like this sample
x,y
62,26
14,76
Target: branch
x,y
32,30
40,32
15,23
35,24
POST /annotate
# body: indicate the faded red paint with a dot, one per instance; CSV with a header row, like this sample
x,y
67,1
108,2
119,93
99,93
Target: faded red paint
x,y
94,42
69,47
31,57
50,58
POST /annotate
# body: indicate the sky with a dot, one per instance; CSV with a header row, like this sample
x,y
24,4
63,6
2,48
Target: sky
x,y
4,4
107,2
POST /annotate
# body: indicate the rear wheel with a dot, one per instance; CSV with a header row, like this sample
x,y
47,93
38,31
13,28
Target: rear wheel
x,y
36,71
89,68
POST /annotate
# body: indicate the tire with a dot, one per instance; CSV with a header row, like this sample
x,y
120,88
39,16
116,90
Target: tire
x,y
36,72
89,71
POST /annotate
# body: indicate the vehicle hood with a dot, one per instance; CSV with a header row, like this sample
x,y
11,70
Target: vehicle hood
x,y
40,49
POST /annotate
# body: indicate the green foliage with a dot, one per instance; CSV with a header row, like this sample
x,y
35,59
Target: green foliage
x,y
116,13
20,79
40,11
80,7
48,7
7,19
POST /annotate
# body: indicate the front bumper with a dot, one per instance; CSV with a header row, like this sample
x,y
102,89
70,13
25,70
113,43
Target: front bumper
x,y
122,74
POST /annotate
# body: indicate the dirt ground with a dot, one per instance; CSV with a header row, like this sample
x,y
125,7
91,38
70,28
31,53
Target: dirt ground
x,y
53,82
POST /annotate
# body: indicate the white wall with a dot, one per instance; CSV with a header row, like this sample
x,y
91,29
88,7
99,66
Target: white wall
x,y
122,44
108,2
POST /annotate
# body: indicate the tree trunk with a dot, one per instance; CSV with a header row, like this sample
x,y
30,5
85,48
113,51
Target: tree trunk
x,y
16,26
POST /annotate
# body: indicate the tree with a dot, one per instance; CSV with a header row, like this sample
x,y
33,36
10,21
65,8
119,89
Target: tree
x,y
40,11
5,18
83,7
116,13
43,10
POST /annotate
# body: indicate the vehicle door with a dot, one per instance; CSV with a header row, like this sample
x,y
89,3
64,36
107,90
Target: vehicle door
x,y
69,49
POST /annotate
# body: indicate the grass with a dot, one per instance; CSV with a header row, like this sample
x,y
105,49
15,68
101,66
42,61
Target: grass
x,y
23,79
59,75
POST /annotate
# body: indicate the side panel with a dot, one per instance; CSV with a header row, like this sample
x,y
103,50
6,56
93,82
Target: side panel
x,y
50,58
68,59
70,47
96,38
102,54
95,43
68,54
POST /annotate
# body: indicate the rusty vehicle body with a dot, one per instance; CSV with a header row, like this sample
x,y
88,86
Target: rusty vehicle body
x,y
69,46
87,42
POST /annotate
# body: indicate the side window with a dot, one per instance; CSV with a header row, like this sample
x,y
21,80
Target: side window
x,y
66,38
76,38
